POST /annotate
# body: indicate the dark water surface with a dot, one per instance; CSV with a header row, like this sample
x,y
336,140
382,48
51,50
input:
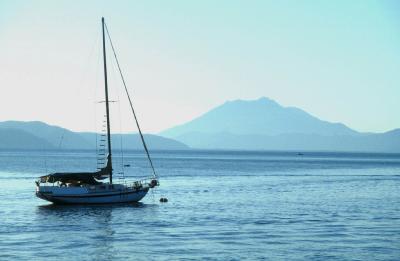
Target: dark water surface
x,y
222,206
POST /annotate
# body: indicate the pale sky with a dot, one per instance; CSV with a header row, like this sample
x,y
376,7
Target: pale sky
x,y
338,60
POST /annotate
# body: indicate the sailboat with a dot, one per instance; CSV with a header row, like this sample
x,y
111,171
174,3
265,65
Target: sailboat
x,y
89,187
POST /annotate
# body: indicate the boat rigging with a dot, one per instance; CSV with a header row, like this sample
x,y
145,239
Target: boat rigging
x,y
87,187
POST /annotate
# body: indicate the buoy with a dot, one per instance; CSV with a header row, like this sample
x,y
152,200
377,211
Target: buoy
x,y
163,200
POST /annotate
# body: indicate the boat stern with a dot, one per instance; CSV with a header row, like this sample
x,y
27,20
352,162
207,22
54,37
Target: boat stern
x,y
43,193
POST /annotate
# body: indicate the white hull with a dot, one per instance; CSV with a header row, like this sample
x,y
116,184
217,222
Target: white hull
x,y
91,195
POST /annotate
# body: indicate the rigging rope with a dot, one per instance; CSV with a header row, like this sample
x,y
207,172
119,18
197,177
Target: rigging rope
x,y
120,126
130,103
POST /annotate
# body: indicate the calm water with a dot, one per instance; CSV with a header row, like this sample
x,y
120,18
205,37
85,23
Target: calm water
x,y
222,205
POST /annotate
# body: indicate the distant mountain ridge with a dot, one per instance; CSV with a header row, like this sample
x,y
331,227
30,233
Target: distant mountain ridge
x,y
39,135
263,124
19,139
263,116
260,124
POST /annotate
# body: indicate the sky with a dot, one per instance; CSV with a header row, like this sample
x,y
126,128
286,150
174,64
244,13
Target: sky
x,y
337,60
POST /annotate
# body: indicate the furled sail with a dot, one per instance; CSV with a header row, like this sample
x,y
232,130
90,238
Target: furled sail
x,y
80,177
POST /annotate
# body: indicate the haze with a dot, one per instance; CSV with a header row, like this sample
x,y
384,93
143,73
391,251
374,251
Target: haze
x,y
338,60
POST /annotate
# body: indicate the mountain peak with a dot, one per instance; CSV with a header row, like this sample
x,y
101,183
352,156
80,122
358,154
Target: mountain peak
x,y
263,116
265,99
261,100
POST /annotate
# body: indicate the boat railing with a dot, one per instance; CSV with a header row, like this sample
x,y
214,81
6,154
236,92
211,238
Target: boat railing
x,y
149,182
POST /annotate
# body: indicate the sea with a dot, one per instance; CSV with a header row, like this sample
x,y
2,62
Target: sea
x,y
222,205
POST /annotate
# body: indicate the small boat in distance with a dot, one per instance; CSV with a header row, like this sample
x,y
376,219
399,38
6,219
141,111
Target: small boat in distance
x,y
86,187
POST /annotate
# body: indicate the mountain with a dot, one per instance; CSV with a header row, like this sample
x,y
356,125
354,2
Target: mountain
x,y
39,135
380,142
53,135
263,124
133,141
19,139
263,116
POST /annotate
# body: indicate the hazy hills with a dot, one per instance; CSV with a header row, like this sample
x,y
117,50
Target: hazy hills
x,y
262,116
263,124
260,124
39,135
19,139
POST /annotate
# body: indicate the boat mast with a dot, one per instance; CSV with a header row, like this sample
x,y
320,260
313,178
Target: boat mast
x,y
109,161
